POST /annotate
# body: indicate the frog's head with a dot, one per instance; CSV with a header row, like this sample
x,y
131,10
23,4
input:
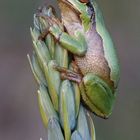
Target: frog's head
x,y
74,9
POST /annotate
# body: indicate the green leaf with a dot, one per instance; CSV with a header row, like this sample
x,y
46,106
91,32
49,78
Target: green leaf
x,y
77,98
46,108
91,125
61,56
36,69
82,124
67,108
53,81
54,131
76,136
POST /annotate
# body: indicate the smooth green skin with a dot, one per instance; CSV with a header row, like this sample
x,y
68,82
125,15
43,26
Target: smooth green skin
x,y
99,97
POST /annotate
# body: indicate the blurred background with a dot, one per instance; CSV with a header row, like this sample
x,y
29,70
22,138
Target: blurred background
x,y
19,114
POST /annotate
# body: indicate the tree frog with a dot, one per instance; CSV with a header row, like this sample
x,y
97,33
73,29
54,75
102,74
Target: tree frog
x,y
94,55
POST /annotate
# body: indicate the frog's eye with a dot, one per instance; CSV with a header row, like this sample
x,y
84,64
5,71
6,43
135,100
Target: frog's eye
x,y
84,1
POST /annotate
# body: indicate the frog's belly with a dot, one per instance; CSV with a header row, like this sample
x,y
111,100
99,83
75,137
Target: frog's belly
x,y
94,61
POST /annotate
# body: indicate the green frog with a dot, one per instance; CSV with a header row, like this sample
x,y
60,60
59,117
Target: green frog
x,y
94,55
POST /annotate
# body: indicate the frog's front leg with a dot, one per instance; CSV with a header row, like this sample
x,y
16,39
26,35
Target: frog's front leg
x,y
75,44
97,95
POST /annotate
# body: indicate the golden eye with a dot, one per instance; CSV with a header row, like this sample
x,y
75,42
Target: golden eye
x,y
84,1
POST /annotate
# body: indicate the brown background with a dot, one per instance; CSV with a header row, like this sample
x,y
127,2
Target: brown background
x,y
19,115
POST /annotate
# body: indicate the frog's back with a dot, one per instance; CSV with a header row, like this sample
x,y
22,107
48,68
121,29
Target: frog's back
x,y
109,48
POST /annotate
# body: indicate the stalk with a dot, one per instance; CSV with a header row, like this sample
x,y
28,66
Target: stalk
x,y
62,112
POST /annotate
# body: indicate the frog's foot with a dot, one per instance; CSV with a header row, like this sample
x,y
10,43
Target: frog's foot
x,y
43,35
69,74
75,68
53,26
45,14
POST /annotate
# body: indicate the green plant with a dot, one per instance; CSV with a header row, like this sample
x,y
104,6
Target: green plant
x,y
62,112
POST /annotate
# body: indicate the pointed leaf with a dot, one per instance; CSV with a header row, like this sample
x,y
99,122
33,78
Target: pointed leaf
x,y
54,131
53,81
37,71
77,97
46,108
67,96
82,125
76,136
42,53
61,56
91,126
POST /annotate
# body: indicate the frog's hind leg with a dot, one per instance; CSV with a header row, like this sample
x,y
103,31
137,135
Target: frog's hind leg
x,y
69,74
97,95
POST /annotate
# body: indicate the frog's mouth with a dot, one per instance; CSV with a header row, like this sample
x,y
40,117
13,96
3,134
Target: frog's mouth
x,y
71,5
84,8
